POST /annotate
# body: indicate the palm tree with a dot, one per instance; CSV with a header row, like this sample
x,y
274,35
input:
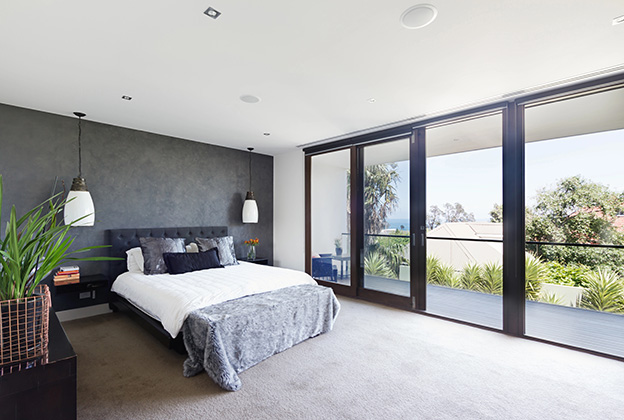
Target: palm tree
x,y
380,195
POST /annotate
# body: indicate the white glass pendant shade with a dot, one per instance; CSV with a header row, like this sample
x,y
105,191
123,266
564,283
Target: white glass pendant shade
x,y
250,210
79,204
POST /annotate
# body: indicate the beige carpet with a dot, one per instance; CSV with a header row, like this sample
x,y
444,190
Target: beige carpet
x,y
377,363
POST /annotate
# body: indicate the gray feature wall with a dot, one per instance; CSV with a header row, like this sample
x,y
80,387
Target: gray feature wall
x,y
137,179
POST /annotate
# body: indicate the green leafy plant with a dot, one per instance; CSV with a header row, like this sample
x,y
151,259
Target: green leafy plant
x,y
376,265
447,276
551,298
492,279
393,249
471,277
535,272
433,263
604,291
441,274
33,246
566,275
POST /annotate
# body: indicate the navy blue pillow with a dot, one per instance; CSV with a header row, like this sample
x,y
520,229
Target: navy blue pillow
x,y
185,262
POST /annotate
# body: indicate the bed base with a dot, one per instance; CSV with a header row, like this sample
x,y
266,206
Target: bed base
x,y
122,240
151,325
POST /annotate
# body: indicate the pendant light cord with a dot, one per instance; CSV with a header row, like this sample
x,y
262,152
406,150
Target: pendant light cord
x,y
79,147
250,170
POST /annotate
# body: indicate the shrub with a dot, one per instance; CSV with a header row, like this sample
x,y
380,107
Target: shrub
x,y
375,264
604,291
448,277
433,263
535,273
492,279
471,277
565,275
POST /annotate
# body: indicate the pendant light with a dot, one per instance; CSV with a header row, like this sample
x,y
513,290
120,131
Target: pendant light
x,y
79,209
250,208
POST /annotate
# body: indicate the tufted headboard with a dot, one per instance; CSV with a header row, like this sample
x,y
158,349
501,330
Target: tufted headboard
x,y
122,240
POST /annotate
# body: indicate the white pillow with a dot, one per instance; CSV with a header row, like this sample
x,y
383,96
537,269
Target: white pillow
x,y
192,247
135,260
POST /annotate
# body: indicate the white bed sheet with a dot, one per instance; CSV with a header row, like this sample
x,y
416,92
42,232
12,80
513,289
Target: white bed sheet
x,y
170,298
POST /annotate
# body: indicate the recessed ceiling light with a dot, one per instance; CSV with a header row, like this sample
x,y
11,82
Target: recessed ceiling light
x,y
371,100
210,12
418,16
126,98
618,20
250,99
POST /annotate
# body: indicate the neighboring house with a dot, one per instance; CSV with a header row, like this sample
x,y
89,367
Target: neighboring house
x,y
460,253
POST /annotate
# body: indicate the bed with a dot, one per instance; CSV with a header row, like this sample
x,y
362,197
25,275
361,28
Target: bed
x,y
223,318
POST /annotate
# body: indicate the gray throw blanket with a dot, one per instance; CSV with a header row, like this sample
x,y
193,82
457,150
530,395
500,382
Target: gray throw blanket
x,y
230,337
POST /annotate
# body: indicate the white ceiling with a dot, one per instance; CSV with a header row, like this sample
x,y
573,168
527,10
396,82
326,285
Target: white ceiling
x,y
313,64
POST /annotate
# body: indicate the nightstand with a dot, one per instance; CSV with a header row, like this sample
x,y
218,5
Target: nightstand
x,y
92,290
47,390
261,261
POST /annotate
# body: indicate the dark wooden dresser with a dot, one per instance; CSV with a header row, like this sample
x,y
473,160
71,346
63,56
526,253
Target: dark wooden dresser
x,y
46,391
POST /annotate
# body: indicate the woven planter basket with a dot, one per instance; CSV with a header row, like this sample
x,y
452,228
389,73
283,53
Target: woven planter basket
x,y
24,331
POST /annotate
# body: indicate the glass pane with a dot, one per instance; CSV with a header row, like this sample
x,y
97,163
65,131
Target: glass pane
x,y
464,220
331,257
575,221
386,217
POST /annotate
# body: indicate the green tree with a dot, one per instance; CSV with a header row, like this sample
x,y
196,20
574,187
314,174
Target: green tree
x,y
496,214
576,210
449,213
380,195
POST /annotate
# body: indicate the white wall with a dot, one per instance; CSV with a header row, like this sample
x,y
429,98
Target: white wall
x,y
289,210
329,203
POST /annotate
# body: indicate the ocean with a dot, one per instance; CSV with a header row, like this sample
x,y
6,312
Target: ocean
x,y
396,224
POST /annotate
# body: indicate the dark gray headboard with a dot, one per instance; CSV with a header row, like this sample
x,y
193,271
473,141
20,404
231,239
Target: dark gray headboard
x,y
122,240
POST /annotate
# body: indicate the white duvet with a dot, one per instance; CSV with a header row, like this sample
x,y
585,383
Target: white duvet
x,y
170,298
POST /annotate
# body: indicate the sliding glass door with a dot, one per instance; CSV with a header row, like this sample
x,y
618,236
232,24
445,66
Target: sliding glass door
x,y
330,217
386,223
419,216
464,226
575,221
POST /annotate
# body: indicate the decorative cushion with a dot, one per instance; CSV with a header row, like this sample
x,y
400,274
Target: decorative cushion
x,y
153,250
225,246
183,262
192,247
135,260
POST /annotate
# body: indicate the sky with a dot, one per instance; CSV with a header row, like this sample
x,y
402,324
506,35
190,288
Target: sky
x,y
474,179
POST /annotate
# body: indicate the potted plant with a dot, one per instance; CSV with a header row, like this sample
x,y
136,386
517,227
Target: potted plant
x,y
338,243
33,245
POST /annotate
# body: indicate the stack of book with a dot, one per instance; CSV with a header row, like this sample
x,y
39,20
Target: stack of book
x,y
67,275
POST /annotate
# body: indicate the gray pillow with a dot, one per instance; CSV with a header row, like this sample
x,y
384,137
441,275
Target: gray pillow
x,y
224,245
153,249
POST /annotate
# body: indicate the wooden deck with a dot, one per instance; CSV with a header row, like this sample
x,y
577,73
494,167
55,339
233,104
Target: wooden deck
x,y
591,330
